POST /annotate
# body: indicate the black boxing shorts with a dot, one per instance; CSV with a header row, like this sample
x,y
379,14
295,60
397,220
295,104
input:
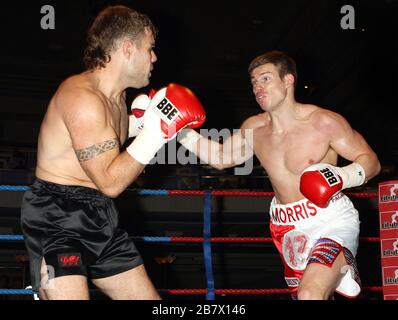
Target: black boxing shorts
x,y
76,230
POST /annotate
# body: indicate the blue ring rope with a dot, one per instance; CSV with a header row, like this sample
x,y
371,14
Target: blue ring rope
x,y
148,192
16,291
155,239
143,192
11,237
14,188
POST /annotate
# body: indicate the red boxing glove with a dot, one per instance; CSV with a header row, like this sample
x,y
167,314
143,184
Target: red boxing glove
x,y
177,107
320,182
171,109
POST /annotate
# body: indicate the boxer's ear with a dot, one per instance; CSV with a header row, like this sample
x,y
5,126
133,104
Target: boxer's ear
x,y
289,80
127,48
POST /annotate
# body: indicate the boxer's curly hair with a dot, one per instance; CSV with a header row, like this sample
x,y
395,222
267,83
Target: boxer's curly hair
x,y
284,63
112,24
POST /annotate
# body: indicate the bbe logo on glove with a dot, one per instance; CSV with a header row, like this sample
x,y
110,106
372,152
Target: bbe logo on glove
x,y
329,176
170,110
319,183
167,111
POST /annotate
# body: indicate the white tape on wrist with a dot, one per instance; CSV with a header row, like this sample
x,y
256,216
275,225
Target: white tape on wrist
x,y
144,147
352,175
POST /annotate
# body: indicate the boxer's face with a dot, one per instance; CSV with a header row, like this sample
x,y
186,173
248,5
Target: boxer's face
x,y
142,60
268,88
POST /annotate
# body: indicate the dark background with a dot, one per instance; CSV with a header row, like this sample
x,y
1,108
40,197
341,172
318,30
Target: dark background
x,y
207,46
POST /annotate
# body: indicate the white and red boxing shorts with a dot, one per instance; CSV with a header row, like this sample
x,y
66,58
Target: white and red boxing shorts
x,y
304,233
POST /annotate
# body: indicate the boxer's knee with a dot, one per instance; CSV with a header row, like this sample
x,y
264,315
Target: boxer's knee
x,y
312,292
42,294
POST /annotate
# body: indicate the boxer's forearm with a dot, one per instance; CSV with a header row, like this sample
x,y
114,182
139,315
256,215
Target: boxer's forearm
x,y
217,155
113,179
214,154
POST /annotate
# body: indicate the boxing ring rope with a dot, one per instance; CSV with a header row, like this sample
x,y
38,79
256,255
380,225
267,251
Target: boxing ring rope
x,y
6,237
216,193
206,240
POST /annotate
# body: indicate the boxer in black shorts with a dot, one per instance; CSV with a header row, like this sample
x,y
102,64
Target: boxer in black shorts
x,y
69,221
68,218
76,230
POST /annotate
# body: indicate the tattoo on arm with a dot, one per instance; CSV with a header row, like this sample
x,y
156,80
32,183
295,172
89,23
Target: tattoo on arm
x,y
96,149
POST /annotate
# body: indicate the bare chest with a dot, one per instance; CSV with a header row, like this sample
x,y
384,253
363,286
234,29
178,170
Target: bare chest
x,y
291,152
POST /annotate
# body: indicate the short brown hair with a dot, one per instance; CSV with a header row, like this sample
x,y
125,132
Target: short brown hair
x,y
284,63
112,24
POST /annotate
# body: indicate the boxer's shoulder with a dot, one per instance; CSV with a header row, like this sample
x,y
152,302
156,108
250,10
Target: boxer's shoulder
x,y
316,113
257,121
76,92
307,112
79,86
327,121
76,101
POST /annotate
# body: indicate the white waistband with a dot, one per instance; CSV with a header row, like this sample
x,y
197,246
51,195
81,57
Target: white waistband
x,y
302,210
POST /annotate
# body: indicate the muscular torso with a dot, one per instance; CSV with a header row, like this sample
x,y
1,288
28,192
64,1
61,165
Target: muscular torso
x,y
285,155
56,157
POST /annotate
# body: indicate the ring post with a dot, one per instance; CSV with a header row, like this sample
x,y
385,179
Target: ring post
x,y
207,246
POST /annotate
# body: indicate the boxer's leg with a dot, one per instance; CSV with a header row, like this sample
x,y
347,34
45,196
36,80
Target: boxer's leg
x,y
71,287
323,272
133,284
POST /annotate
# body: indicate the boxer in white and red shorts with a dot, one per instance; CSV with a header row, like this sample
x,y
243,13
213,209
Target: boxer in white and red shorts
x,y
299,146
305,233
